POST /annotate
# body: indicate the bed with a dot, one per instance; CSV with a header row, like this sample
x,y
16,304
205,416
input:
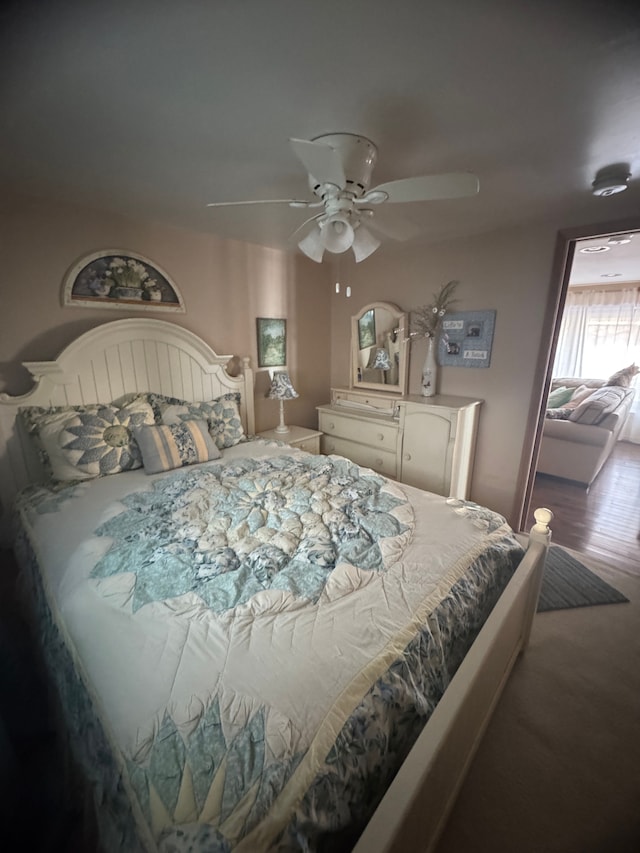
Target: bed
x,y
251,648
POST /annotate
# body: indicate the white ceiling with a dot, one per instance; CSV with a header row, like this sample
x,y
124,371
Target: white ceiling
x,y
612,264
153,109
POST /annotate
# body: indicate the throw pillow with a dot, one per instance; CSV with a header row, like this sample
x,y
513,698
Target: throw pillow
x,y
559,397
581,393
598,405
561,414
43,424
167,446
221,414
101,442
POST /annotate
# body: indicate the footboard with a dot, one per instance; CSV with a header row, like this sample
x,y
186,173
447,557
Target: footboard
x,y
416,806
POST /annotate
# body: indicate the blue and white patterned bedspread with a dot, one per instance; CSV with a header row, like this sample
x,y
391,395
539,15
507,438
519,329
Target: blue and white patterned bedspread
x,y
257,641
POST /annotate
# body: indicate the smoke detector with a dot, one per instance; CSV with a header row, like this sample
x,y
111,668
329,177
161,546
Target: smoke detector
x,y
611,181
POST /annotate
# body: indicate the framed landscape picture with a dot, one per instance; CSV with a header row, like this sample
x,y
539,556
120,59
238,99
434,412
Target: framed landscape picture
x,y
367,329
272,342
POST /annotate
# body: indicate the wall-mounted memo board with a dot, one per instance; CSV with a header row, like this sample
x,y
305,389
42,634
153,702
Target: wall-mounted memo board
x,y
466,339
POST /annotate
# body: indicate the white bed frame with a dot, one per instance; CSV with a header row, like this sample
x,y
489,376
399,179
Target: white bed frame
x,y
155,355
106,362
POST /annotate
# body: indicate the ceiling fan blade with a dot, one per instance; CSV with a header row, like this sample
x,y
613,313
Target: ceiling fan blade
x,y
425,188
306,222
294,202
321,161
393,226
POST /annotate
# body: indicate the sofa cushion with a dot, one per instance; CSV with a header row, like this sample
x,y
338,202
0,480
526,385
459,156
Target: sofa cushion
x,y
574,382
598,405
576,434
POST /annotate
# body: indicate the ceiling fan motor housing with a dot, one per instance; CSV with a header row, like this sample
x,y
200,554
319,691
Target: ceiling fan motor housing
x,y
358,156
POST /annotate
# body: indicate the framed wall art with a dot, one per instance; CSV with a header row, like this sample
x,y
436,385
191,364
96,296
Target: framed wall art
x,y
367,329
116,278
272,342
466,339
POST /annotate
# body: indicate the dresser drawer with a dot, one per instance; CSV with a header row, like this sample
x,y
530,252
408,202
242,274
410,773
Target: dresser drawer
x,y
382,461
377,434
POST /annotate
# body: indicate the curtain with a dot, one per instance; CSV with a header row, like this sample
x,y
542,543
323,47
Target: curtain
x,y
599,335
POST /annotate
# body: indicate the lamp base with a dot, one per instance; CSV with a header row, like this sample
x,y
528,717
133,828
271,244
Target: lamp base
x,y
282,427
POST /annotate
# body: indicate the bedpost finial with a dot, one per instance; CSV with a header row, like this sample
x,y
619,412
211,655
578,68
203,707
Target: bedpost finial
x,y
543,517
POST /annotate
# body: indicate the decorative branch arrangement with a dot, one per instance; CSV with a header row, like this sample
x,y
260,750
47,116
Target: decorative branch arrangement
x,y
425,321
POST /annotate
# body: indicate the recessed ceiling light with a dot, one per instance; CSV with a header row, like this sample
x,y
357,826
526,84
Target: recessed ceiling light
x,y
620,239
592,250
610,274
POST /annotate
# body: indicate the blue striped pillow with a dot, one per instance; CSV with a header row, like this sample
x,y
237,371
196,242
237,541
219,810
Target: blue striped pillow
x,y
167,446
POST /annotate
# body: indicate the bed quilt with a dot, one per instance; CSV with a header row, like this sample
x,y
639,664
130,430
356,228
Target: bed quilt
x,y
247,649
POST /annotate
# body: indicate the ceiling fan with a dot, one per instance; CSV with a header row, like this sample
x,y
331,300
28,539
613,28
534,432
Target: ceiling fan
x,y
339,167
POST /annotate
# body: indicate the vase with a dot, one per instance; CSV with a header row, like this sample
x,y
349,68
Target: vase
x,y
430,370
123,292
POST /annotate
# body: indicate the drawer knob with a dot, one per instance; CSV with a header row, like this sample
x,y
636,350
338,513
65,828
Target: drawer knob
x,y
332,426
380,437
330,445
379,462
407,457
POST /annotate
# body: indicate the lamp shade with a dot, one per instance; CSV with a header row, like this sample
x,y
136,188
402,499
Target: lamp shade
x,y
379,359
281,387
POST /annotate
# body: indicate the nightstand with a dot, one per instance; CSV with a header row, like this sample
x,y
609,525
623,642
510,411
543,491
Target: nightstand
x,y
300,437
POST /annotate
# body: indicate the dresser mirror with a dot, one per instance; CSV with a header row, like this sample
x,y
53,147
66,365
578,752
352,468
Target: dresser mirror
x,y
378,348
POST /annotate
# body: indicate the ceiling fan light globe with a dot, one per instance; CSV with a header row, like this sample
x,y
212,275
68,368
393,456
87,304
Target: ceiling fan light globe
x,y
337,235
364,243
312,245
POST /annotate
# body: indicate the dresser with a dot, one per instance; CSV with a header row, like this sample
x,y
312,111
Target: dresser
x,y
428,442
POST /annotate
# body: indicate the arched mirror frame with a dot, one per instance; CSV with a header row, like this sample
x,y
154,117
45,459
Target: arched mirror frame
x,y
390,336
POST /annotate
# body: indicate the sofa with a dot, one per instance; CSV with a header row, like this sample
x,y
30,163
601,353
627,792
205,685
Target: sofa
x,y
580,433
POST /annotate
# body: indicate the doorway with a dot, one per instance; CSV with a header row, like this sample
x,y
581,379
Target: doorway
x,y
602,520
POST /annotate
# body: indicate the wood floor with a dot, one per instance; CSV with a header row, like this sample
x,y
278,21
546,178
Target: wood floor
x,y
603,522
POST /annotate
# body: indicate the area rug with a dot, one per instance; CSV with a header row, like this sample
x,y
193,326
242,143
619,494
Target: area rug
x,y
567,583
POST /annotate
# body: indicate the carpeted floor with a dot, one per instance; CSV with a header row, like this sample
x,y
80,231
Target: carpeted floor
x,y
558,770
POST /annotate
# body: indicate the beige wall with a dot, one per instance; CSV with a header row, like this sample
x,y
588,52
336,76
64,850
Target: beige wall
x,y
225,285
510,271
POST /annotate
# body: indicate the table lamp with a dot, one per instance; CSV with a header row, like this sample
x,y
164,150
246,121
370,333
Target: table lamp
x,y
282,389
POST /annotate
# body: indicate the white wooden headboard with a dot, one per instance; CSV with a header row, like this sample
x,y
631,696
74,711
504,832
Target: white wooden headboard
x,y
103,364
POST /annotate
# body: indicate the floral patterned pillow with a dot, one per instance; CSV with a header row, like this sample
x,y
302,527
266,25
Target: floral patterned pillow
x,y
112,441
43,424
221,414
103,442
